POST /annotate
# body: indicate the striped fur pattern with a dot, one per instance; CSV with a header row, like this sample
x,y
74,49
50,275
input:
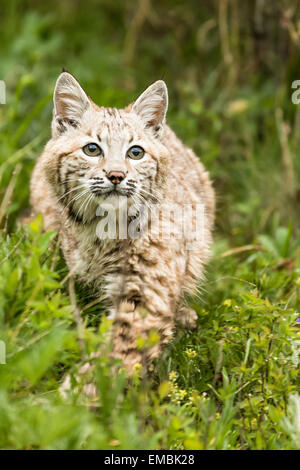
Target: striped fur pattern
x,y
144,279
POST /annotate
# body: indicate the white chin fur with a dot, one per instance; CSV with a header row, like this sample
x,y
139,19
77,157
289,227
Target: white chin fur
x,y
116,201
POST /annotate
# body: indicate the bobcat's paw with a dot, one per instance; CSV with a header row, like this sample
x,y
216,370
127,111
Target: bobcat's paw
x,y
83,381
134,340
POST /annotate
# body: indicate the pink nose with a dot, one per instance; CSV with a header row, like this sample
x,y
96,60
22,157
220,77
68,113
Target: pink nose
x,y
116,176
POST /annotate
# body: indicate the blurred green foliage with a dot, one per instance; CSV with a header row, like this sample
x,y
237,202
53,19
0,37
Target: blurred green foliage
x,y
232,383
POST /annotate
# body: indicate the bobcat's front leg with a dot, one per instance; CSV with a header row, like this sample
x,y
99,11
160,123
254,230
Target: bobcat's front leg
x,y
139,333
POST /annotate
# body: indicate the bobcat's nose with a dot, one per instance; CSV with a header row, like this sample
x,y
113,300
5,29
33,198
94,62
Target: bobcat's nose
x,y
116,176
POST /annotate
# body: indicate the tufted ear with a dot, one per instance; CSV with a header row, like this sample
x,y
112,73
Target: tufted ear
x,y
70,103
151,106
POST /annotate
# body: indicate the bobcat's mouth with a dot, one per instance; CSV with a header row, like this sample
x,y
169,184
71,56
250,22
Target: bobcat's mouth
x,y
111,193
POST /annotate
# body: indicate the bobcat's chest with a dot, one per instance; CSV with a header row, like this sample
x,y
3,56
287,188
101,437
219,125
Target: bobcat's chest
x,y
92,259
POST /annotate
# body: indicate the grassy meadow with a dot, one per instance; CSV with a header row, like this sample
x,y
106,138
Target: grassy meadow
x,y
234,382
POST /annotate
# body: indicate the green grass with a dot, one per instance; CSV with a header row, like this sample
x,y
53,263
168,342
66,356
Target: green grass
x,y
233,383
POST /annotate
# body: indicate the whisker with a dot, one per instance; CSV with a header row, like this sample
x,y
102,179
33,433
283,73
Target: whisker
x,y
72,180
85,208
73,189
82,206
78,196
89,201
135,201
144,201
147,193
153,190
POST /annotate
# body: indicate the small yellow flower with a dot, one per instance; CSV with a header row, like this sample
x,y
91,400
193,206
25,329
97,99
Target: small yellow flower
x,y
153,338
227,302
181,394
114,443
137,368
141,343
173,376
191,353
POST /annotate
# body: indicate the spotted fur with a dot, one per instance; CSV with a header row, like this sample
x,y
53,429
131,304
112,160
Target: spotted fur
x,y
144,279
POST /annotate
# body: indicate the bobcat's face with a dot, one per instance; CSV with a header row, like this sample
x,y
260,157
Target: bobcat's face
x,y
105,154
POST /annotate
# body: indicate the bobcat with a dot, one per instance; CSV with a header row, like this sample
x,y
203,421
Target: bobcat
x,y
99,155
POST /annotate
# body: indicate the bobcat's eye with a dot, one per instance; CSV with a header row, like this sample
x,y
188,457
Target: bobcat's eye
x,y
92,150
135,152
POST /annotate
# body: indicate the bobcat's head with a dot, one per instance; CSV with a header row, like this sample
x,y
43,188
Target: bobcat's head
x,y
101,154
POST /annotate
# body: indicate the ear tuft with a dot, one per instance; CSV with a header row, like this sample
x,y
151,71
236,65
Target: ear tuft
x,y
70,102
151,106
